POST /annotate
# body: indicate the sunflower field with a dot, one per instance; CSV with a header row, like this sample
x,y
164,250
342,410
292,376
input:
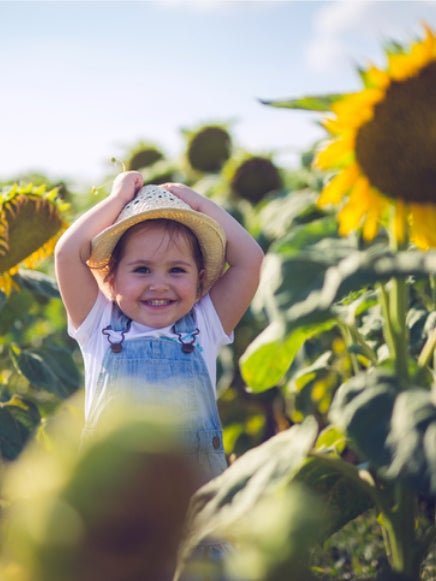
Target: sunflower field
x,y
327,396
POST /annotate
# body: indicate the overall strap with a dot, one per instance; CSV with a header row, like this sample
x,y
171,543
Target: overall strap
x,y
119,321
119,326
186,330
186,324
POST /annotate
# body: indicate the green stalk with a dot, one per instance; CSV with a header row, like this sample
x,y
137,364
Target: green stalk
x,y
398,524
433,290
395,317
347,336
428,351
398,308
388,331
398,521
433,296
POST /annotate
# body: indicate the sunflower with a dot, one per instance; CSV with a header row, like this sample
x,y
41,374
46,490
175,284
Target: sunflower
x,y
383,148
30,224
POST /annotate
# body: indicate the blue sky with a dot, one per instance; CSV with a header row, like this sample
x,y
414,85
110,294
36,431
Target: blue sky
x,y
84,81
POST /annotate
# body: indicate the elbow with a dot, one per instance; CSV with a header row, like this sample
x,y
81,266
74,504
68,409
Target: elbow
x,y
62,252
255,264
259,256
67,251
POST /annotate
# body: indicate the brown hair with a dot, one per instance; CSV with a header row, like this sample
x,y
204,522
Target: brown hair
x,y
171,227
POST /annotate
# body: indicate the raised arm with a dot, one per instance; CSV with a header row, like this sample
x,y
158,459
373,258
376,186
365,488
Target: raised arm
x,y
76,282
233,292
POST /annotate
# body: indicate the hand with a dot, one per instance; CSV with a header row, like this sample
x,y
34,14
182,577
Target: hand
x,y
190,197
126,185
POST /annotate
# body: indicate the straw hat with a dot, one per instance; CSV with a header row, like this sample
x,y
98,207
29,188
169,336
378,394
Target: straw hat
x,y
151,203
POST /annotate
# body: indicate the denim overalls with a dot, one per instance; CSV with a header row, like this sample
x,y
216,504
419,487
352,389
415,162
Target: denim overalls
x,y
171,373
166,372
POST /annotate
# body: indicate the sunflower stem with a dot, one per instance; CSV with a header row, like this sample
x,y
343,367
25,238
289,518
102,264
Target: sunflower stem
x,y
428,351
397,311
398,525
348,339
433,291
387,326
398,308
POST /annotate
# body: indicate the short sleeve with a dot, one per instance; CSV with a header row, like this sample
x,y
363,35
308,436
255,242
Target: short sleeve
x,y
95,319
212,323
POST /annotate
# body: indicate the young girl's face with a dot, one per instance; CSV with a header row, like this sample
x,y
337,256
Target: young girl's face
x,y
157,280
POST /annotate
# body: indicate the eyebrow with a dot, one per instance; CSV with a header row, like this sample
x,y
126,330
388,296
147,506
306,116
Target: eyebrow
x,y
172,263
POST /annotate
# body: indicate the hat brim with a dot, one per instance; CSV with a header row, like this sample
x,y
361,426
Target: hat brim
x,y
208,232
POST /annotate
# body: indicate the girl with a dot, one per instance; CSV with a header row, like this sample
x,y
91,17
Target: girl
x,y
150,303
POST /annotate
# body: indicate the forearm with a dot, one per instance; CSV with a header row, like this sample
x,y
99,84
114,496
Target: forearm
x,y
76,241
242,250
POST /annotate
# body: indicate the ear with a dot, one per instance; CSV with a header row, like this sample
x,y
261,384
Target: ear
x,y
109,284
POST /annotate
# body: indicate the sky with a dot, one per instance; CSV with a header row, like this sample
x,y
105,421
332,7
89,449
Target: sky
x,y
82,81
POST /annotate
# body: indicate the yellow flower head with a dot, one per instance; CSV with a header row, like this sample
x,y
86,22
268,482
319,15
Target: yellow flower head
x,y
383,148
30,223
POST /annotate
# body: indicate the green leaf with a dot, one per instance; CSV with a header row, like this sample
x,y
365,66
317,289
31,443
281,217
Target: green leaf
x,y
278,535
33,367
41,285
16,313
221,503
358,270
412,439
3,300
267,359
362,408
302,236
345,495
278,215
331,440
62,365
50,367
287,280
394,430
18,419
307,103
305,374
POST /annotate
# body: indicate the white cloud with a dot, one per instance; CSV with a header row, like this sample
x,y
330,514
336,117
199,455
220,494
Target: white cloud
x,y
354,31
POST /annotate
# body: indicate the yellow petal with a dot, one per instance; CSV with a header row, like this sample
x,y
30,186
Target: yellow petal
x,y
350,217
354,109
5,283
336,153
377,78
375,210
423,225
400,222
338,186
404,65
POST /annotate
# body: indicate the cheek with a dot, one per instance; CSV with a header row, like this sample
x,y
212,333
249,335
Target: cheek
x,y
190,288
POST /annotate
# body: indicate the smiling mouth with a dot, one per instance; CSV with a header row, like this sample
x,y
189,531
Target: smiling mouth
x,y
158,302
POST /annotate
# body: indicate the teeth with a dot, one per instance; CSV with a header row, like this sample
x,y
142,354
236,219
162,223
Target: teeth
x,y
158,302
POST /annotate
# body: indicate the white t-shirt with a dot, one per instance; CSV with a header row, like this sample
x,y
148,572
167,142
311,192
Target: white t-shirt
x,y
93,344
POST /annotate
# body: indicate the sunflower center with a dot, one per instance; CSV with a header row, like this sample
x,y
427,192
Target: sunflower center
x,y
396,149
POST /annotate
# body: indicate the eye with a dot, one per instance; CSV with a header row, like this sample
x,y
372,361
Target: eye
x,y
177,269
141,269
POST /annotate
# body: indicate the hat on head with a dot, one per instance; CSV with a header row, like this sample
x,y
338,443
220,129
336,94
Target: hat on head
x,y
153,203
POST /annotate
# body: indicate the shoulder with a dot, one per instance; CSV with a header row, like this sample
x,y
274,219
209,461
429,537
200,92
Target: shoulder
x,y
97,318
209,322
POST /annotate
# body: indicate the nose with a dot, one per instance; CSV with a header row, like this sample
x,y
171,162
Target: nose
x,y
158,283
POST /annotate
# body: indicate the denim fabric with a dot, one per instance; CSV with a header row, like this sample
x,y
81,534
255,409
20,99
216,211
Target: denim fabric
x,y
163,372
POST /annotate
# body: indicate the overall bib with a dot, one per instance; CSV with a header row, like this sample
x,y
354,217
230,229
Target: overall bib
x,y
166,372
